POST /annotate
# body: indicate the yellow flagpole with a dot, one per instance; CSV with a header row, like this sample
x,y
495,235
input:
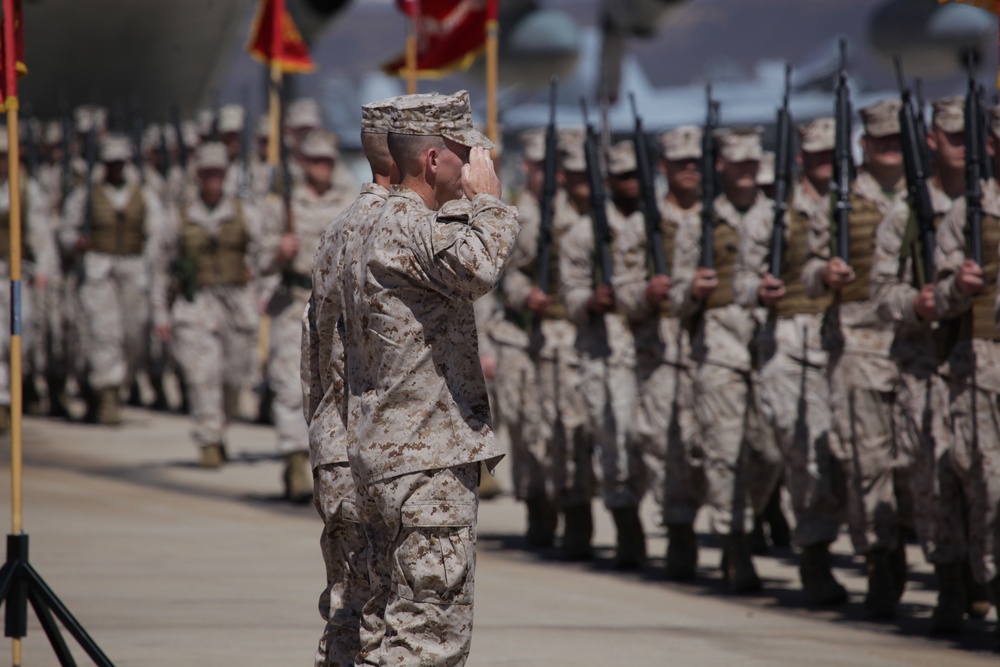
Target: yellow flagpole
x,y
411,59
274,117
492,30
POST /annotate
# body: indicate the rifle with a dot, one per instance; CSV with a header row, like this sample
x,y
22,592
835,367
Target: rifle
x,y
973,167
925,149
164,152
598,206
137,131
182,153
782,172
245,140
30,144
66,168
546,205
90,150
651,211
916,179
842,161
708,155
985,161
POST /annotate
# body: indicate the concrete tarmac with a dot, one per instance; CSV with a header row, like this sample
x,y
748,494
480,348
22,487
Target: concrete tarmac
x,y
166,564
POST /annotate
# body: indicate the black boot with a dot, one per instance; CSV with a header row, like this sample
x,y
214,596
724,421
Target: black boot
x,y
542,519
682,551
880,602
631,552
949,614
578,532
816,573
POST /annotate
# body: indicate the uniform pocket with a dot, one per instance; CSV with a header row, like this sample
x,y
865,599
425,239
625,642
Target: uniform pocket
x,y
436,565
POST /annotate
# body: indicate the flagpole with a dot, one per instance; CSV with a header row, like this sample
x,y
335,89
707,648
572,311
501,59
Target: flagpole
x,y
13,184
492,42
274,115
411,57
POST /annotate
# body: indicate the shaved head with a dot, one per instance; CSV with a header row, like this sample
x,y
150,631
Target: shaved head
x,y
375,146
407,150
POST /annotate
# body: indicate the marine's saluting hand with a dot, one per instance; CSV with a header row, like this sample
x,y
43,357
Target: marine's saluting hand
x,y
478,176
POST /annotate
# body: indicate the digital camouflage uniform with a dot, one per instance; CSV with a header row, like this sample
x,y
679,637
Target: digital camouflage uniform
x,y
115,293
973,377
214,316
863,379
419,422
343,543
721,334
793,395
311,214
920,415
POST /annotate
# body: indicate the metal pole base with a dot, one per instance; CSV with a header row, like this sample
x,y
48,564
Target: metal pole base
x,y
21,584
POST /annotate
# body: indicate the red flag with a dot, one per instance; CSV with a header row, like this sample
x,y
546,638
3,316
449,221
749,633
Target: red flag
x,y
452,33
276,39
12,63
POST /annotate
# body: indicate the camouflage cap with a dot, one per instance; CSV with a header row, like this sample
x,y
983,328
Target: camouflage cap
x,y
949,114
211,155
765,174
881,119
206,122
740,144
151,138
303,113
53,133
231,118
170,135
533,144
818,135
116,148
375,116
448,116
572,156
681,143
621,158
189,132
320,144
86,117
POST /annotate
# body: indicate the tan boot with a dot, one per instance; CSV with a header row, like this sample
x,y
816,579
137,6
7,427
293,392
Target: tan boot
x,y
542,519
949,614
631,550
212,456
107,407
817,577
488,485
880,602
739,569
578,531
976,595
682,551
231,402
298,478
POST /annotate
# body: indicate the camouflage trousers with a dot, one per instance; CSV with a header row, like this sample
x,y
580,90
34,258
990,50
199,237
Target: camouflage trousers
x,y
518,411
879,503
610,391
742,465
975,459
215,341
794,399
564,424
345,554
114,299
664,429
923,430
28,340
284,357
421,531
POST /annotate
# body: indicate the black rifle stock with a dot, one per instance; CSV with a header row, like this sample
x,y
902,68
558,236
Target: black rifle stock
x,y
182,152
918,196
973,167
651,210
708,156
842,160
598,206
547,204
782,173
